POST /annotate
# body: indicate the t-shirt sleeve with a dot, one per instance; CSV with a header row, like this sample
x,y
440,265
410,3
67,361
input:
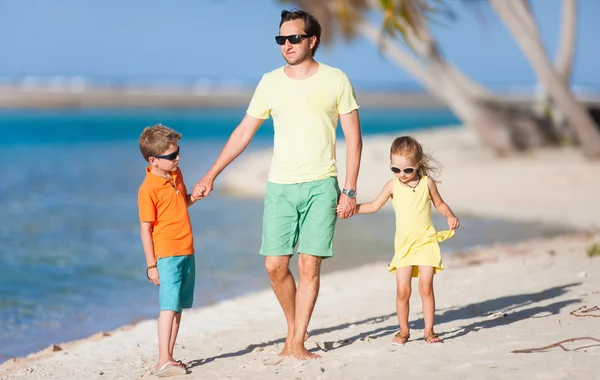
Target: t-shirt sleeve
x,y
146,205
259,105
346,97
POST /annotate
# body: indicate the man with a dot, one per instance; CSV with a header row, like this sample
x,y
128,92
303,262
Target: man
x,y
305,99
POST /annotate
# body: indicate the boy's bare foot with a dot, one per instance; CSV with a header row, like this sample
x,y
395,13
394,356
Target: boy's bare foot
x,y
400,338
301,353
170,368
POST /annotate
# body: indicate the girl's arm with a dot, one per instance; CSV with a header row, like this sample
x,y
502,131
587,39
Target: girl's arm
x,y
382,198
442,206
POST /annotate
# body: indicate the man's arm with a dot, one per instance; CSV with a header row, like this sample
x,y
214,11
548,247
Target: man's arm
x,y
351,127
237,143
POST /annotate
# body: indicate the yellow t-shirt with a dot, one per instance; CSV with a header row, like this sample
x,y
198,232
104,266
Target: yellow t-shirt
x,y
305,116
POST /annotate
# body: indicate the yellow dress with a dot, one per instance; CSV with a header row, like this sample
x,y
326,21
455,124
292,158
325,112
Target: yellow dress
x,y
416,240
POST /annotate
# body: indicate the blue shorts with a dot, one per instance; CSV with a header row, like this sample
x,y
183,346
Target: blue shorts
x,y
177,275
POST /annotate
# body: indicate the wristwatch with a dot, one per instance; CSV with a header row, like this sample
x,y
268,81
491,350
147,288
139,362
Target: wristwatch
x,y
349,193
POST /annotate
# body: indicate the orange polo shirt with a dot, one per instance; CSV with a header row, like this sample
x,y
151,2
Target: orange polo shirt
x,y
163,202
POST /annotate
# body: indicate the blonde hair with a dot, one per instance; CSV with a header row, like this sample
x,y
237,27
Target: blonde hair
x,y
155,140
409,147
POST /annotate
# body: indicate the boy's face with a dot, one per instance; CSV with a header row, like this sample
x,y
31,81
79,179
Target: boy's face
x,y
168,160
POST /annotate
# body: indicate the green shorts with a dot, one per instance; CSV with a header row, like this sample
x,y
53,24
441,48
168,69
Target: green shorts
x,y
177,275
301,211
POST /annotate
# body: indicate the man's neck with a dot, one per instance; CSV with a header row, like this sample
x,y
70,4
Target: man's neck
x,y
303,70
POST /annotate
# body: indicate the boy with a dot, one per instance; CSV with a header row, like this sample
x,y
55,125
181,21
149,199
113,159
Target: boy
x,y
167,238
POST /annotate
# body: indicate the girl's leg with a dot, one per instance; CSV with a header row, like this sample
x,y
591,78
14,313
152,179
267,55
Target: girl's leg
x,y
403,290
428,301
174,331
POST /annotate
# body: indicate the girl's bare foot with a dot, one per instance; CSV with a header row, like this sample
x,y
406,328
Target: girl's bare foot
x,y
432,337
400,338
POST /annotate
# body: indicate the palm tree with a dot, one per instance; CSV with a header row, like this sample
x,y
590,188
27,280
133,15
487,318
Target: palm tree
x,y
563,64
517,16
503,127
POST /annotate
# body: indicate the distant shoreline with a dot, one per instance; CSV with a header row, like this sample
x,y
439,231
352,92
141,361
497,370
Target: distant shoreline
x,y
13,97
47,98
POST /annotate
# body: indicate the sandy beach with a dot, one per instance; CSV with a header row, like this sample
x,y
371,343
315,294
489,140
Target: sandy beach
x,y
491,301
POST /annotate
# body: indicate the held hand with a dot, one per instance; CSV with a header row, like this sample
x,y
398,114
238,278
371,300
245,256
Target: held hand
x,y
204,186
453,222
153,276
198,192
346,206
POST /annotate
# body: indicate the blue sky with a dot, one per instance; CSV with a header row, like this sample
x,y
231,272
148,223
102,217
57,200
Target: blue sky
x,y
233,39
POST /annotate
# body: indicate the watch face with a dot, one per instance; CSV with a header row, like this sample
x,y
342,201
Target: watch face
x,y
351,193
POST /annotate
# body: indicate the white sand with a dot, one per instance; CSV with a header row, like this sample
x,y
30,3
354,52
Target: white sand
x,y
557,186
489,302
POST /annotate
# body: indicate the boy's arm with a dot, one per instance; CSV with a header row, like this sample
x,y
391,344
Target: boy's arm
x,y
190,199
146,233
382,198
440,205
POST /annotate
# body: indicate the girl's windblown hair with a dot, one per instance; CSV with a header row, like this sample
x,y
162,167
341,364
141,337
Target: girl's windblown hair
x,y
407,146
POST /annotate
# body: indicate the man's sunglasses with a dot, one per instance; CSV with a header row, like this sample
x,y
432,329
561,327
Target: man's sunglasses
x,y
170,156
294,39
406,170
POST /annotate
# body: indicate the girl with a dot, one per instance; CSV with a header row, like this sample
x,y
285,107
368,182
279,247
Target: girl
x,y
417,252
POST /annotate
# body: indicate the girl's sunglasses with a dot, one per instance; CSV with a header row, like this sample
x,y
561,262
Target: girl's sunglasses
x,y
406,170
294,39
170,156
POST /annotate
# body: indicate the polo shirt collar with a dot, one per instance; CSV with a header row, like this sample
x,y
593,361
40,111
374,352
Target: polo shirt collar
x,y
156,179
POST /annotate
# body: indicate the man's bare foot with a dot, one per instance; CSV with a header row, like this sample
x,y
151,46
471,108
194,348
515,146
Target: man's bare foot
x,y
287,350
301,353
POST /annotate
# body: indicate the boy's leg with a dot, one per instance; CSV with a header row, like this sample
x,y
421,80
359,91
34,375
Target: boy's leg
x,y
174,332
403,291
428,301
170,273
187,268
165,327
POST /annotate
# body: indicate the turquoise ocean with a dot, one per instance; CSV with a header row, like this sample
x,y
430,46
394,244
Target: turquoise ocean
x,y
71,261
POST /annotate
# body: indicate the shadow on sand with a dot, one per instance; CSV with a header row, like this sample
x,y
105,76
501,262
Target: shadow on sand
x,y
503,305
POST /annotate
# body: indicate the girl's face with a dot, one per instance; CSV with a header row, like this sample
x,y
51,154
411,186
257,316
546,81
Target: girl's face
x,y
404,168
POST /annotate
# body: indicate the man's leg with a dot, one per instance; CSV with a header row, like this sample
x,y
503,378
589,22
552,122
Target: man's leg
x,y
309,268
284,287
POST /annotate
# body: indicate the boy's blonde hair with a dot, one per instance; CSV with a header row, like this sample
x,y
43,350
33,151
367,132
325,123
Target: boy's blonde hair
x,y
155,140
409,147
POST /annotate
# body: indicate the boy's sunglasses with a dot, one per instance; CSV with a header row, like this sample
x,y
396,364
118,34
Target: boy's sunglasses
x,y
406,170
170,156
294,39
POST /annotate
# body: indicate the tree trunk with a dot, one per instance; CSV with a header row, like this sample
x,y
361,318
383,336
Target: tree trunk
x,y
501,127
522,26
564,64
